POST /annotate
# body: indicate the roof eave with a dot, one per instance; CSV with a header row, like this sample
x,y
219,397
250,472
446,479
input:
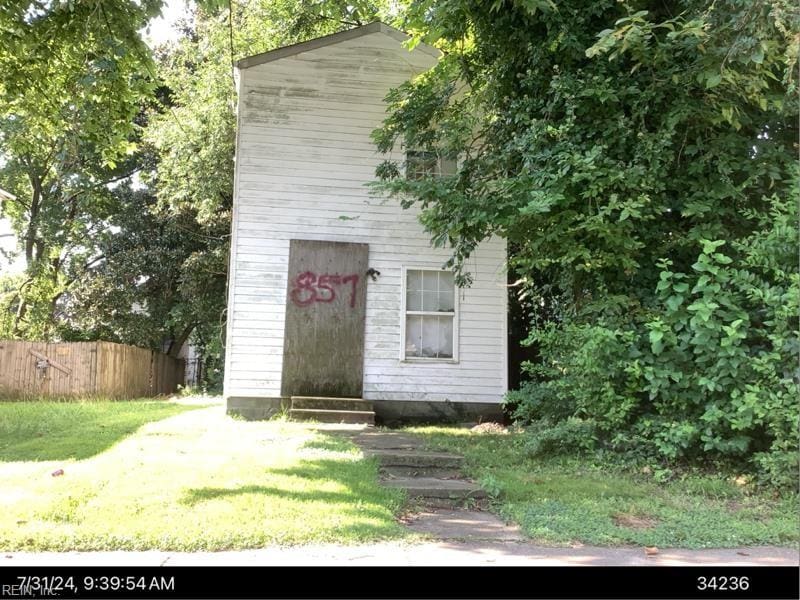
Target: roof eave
x,y
334,38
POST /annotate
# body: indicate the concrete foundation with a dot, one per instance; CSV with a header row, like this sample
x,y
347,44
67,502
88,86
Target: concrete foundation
x,y
387,412
397,412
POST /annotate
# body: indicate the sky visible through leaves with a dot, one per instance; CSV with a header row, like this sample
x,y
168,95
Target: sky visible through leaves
x,y
161,30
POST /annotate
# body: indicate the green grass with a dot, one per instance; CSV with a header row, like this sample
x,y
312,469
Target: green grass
x,y
39,431
567,501
198,480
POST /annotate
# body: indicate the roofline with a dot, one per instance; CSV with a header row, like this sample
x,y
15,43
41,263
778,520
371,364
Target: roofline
x,y
334,38
6,195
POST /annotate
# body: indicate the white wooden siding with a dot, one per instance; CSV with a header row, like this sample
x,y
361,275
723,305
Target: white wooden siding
x,y
304,154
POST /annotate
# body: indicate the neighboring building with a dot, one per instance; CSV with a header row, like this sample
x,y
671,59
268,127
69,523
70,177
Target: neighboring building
x,y
8,242
334,292
193,365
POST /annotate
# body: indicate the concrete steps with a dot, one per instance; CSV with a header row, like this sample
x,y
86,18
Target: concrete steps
x,y
331,410
410,463
435,489
432,479
371,440
333,416
404,472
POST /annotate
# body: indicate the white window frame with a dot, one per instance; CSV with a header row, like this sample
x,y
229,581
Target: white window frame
x,y
404,314
443,165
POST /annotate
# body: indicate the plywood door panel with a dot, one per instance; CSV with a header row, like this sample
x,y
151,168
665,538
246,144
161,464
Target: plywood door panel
x,y
325,310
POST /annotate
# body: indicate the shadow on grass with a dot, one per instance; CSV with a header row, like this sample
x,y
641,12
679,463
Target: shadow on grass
x,y
356,483
196,495
343,492
330,442
40,431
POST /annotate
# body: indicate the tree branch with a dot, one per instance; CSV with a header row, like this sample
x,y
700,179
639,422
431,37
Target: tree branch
x,y
341,21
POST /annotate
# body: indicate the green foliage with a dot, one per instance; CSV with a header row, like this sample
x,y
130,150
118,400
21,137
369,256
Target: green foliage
x,y
73,73
709,372
491,486
74,77
569,436
638,157
160,279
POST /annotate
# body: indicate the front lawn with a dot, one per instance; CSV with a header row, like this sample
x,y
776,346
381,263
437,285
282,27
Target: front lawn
x,y
161,475
568,501
197,480
63,430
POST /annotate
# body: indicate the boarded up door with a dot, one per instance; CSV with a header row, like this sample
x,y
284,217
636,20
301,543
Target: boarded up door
x,y
323,346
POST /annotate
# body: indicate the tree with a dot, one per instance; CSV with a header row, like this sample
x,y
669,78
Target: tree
x,y
86,107
75,76
617,146
158,275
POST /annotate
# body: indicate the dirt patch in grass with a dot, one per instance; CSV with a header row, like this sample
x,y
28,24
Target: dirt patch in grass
x,y
634,521
734,506
495,428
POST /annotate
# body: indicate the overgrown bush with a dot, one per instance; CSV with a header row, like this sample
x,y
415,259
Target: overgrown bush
x,y
572,435
710,371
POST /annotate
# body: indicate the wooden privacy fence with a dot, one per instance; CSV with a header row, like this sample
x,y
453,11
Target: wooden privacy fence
x,y
98,369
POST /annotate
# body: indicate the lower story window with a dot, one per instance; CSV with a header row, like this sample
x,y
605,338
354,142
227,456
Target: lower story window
x,y
429,314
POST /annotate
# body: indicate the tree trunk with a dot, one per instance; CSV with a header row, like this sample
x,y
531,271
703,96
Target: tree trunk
x,y
30,232
178,342
22,308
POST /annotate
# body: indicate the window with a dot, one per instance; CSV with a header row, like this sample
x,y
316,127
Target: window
x,y
420,165
429,315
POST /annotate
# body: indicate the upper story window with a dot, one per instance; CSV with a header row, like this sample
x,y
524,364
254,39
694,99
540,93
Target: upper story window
x,y
421,164
430,328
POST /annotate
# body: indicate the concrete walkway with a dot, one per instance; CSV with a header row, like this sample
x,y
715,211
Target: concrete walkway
x,y
440,553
